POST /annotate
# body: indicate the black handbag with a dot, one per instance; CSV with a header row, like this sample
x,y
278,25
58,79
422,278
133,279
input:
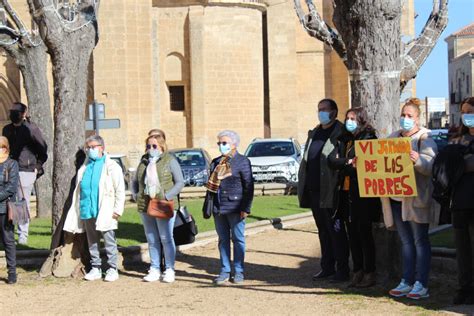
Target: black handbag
x,y
208,206
185,228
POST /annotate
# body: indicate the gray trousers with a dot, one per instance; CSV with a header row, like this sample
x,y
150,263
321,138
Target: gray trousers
x,y
27,180
93,240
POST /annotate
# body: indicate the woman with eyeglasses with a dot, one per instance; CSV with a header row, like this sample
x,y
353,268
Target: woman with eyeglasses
x,y
159,176
231,183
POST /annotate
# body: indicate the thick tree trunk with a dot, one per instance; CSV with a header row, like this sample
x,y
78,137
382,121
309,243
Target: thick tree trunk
x,y
371,31
33,67
70,72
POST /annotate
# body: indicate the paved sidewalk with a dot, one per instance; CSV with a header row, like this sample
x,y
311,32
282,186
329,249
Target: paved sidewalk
x,y
279,267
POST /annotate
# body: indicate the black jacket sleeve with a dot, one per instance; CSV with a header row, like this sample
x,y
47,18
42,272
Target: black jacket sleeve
x,y
11,185
39,145
336,160
247,185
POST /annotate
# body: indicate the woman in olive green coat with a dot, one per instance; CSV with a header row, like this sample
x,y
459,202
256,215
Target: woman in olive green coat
x,y
159,176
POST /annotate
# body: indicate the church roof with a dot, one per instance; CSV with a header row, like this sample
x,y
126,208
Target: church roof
x,y
465,31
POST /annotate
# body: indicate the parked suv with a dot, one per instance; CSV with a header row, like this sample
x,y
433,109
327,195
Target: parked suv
x,y
194,163
274,159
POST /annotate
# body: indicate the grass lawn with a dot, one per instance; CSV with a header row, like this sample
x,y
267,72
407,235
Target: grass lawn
x,y
130,230
444,239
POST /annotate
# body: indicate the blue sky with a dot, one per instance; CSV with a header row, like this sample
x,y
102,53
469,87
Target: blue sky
x,y
432,79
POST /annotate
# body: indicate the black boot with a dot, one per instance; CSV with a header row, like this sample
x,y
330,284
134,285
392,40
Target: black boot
x,y
11,278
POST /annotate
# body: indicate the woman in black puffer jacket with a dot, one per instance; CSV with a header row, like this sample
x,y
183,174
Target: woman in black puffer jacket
x,y
356,212
462,208
8,188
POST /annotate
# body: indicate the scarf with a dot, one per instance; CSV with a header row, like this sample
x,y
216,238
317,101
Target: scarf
x,y
221,172
152,183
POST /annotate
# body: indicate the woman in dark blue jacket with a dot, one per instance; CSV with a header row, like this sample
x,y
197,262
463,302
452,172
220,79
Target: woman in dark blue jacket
x,y
231,183
8,188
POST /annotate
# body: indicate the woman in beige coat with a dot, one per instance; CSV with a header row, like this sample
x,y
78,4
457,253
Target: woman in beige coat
x,y
412,215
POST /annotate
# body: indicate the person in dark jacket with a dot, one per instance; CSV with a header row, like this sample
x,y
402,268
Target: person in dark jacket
x,y
8,189
231,181
462,209
358,213
29,149
316,187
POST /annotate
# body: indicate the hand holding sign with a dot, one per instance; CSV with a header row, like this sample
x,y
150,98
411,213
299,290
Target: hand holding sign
x,y
385,167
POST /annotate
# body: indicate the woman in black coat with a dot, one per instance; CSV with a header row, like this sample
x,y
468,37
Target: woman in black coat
x,y
8,188
462,208
358,213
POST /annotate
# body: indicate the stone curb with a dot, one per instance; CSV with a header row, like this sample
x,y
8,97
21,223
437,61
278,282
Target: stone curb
x,y
139,253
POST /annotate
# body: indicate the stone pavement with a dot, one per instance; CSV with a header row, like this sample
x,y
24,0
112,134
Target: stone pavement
x,y
279,266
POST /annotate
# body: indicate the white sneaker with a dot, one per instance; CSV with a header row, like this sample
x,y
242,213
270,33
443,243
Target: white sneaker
x,y
401,290
168,276
153,275
418,291
111,275
93,274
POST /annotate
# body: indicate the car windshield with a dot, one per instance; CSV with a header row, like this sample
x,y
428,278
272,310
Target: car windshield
x,y
266,149
190,158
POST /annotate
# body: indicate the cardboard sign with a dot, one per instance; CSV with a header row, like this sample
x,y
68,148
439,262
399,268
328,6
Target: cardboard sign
x,y
384,168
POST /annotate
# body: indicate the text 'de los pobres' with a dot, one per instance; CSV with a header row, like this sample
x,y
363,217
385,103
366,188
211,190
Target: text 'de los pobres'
x,y
384,168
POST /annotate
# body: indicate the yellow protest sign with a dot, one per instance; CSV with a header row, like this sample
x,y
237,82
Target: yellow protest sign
x,y
384,168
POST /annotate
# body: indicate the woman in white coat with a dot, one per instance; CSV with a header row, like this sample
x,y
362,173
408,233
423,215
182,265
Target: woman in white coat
x,y
98,202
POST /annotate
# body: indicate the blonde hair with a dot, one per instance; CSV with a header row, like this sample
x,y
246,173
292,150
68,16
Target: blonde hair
x,y
415,103
157,132
4,143
160,139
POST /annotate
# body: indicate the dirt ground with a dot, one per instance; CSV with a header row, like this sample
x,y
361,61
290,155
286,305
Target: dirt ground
x,y
279,266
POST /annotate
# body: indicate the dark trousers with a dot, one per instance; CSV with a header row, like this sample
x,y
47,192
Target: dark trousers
x,y
8,238
332,237
361,239
463,223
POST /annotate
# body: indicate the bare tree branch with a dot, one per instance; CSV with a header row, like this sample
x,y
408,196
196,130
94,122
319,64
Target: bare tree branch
x,y
422,46
316,27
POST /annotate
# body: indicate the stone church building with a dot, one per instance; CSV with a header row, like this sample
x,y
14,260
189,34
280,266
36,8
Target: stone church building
x,y
195,67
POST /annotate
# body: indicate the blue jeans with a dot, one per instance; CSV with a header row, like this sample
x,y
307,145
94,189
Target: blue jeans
x,y
416,247
228,225
160,231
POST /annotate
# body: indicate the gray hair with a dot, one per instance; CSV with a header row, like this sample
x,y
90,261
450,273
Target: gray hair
x,y
234,137
95,138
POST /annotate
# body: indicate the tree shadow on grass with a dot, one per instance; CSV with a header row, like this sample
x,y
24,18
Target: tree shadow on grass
x,y
131,231
276,279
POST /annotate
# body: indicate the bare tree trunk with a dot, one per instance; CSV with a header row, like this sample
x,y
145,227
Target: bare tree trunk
x,y
29,53
33,68
372,32
70,46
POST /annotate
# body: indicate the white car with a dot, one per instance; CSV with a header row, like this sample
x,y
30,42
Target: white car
x,y
274,159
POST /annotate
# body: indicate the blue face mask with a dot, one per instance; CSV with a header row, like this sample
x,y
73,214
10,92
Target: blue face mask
x,y
324,117
351,125
154,153
468,120
407,124
224,149
93,153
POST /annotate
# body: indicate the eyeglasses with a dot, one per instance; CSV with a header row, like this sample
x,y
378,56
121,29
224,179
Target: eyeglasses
x,y
93,146
151,146
221,143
